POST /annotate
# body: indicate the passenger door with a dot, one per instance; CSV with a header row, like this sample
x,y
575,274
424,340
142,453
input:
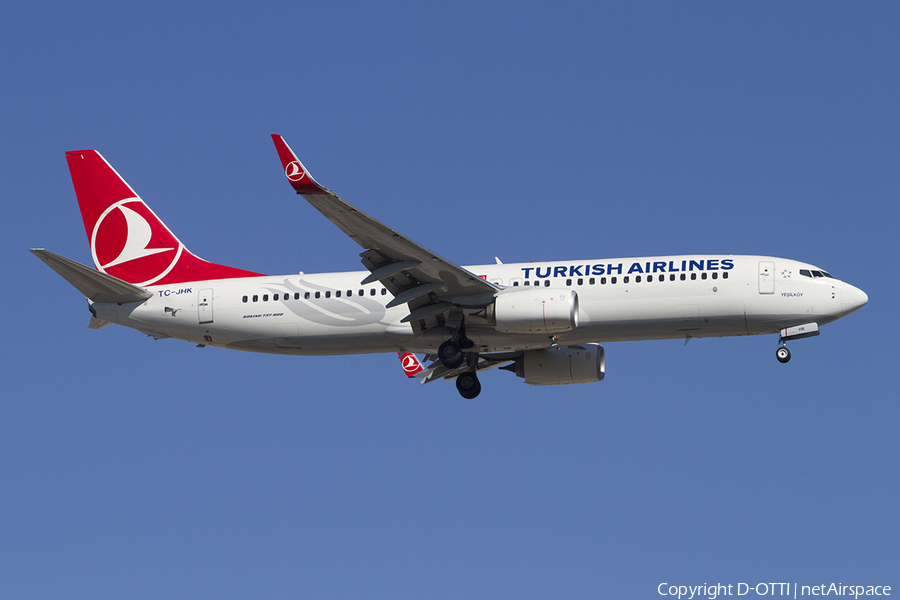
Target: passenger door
x,y
205,306
766,277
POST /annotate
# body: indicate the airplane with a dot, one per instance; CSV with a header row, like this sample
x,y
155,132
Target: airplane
x,y
543,321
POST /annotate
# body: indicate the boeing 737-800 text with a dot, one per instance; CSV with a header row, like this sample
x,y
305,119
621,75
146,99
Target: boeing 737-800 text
x,y
541,320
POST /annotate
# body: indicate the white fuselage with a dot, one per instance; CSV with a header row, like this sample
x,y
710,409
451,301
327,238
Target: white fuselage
x,y
651,298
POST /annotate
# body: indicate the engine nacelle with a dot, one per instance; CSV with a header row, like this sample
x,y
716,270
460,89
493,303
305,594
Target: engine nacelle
x,y
584,363
535,310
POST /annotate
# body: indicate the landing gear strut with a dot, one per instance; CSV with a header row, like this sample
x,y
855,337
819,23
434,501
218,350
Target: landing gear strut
x,y
451,355
450,352
468,385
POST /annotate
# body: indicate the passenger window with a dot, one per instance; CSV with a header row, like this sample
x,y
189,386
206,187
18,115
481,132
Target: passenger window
x,y
306,296
649,278
337,294
275,297
672,277
725,275
568,282
318,294
637,278
603,281
265,297
515,284
613,280
592,281
362,292
383,291
580,281
547,283
255,298
527,282
683,277
328,294
715,275
703,275
349,293
625,279
244,299
693,276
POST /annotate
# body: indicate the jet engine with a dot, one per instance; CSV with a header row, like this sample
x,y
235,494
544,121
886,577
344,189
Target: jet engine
x,y
584,363
534,310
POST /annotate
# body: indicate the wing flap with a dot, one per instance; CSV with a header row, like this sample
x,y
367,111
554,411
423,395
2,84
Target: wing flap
x,y
437,371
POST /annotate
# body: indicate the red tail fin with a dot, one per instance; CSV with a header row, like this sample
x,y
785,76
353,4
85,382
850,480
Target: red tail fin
x,y
128,240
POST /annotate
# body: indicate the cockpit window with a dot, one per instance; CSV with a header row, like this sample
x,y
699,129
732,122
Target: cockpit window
x,y
808,273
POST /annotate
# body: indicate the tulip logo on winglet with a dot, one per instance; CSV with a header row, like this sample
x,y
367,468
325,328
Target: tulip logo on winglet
x,y
294,171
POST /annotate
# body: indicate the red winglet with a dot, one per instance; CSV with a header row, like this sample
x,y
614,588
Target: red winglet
x,y
294,170
411,365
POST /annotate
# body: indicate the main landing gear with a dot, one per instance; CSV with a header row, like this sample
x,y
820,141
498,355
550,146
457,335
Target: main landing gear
x,y
467,385
451,355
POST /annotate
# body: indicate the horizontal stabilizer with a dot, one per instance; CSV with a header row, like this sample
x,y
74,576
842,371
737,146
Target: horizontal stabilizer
x,y
96,286
98,323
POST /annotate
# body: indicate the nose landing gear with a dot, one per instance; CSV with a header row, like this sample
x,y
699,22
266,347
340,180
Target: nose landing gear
x,y
782,353
796,332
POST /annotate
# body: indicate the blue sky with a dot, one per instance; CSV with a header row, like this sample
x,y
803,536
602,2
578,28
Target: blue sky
x,y
145,469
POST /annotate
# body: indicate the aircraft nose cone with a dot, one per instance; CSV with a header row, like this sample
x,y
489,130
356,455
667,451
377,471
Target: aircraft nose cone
x,y
852,298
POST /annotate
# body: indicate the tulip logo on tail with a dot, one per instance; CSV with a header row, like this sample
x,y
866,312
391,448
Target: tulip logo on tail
x,y
131,243
410,364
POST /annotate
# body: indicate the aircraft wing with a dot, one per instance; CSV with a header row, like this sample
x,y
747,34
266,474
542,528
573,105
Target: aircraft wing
x,y
430,284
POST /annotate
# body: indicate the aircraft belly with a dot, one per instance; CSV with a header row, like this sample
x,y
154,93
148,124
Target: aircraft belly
x,y
319,346
659,317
